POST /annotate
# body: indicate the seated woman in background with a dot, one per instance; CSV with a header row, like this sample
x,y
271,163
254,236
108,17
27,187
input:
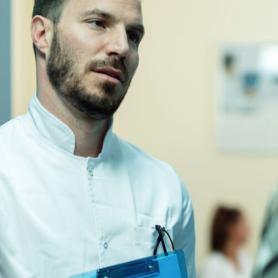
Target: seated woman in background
x,y
229,232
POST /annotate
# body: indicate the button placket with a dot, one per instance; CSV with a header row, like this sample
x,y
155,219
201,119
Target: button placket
x,y
90,172
90,175
90,168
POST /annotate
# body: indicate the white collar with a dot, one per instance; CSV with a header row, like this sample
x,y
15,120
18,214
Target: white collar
x,y
54,130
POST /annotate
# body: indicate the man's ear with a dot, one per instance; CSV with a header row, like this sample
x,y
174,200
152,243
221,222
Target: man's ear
x,y
42,33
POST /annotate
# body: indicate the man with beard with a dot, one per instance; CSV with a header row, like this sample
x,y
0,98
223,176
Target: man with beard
x,y
74,196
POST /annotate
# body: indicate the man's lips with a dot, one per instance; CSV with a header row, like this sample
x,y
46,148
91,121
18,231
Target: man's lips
x,y
112,72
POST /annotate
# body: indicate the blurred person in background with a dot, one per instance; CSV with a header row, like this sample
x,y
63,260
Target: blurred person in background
x,y
229,233
266,264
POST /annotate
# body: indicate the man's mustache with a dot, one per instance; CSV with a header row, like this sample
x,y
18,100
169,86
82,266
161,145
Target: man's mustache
x,y
115,63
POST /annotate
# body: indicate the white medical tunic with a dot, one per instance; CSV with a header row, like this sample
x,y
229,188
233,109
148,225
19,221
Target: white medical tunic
x,y
61,214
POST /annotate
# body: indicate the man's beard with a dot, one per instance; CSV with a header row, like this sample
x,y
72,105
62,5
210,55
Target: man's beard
x,y
98,105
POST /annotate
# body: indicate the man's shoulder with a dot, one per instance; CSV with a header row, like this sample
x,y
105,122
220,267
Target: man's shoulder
x,y
10,131
156,174
9,126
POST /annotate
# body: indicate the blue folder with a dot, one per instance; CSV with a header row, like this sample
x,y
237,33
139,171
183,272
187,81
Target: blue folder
x,y
165,266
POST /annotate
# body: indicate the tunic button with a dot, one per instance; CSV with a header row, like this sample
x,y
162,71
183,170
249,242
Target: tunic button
x,y
90,169
105,245
91,172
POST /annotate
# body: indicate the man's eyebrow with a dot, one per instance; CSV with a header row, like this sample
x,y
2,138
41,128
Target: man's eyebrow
x,y
98,12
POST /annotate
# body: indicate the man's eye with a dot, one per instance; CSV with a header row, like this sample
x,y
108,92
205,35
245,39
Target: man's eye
x,y
134,37
96,23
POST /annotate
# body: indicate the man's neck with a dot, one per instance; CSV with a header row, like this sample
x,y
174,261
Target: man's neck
x,y
89,133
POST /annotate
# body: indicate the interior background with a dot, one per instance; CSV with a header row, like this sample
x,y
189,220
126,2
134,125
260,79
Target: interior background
x,y
169,110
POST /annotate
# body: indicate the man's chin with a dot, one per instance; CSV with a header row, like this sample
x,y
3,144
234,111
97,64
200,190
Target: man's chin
x,y
93,111
98,106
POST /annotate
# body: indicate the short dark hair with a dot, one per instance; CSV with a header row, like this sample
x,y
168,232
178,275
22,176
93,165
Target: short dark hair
x,y
224,218
51,9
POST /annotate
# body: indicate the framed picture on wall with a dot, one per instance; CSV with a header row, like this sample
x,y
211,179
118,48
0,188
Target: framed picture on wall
x,y
247,98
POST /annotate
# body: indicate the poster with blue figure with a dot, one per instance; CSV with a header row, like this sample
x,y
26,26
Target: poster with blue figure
x,y
247,98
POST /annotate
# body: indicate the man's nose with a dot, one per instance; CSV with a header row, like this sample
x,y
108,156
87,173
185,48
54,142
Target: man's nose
x,y
118,43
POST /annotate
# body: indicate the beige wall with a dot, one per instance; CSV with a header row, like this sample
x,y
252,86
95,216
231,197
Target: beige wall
x,y
170,108
23,62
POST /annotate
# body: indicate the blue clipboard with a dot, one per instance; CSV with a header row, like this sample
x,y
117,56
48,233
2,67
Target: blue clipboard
x,y
171,265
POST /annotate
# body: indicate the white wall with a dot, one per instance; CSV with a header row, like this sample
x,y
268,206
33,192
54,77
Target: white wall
x,y
170,108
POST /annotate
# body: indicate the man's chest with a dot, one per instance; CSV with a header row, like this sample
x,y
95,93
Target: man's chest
x,y
70,218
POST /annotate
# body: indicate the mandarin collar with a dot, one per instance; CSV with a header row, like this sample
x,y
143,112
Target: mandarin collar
x,y
57,132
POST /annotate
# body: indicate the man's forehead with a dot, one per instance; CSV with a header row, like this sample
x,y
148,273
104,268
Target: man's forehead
x,y
129,10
